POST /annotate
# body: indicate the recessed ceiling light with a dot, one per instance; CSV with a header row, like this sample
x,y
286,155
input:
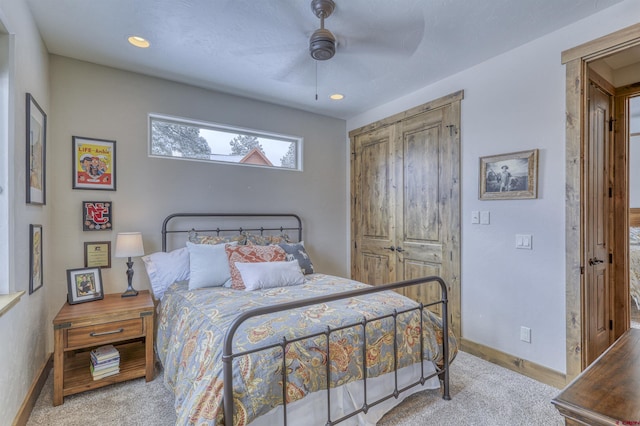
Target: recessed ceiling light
x,y
336,96
139,42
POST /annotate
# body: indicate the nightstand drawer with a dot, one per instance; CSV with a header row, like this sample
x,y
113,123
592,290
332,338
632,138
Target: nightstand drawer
x,y
103,333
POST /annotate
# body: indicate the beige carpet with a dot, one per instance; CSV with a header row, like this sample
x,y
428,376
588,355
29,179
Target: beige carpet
x,y
482,394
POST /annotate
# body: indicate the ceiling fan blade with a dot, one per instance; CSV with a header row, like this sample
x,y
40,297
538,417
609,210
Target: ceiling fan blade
x,y
260,37
299,71
269,49
376,40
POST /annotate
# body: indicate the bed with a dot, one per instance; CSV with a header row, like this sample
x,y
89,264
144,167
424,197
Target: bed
x,y
283,349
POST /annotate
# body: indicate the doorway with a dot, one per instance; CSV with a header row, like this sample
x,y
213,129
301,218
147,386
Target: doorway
x,y
577,61
633,134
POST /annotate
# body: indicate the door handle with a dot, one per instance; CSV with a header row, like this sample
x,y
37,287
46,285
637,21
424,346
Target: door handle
x,y
392,248
399,249
595,261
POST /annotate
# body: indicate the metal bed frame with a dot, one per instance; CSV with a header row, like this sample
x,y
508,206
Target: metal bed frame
x,y
228,354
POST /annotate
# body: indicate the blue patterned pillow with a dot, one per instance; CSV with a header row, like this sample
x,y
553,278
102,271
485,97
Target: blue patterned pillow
x,y
265,240
194,238
296,251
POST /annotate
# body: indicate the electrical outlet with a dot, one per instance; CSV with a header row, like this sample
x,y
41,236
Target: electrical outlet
x,y
525,334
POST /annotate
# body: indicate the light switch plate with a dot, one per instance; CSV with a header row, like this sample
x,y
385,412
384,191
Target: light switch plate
x,y
484,218
475,217
524,241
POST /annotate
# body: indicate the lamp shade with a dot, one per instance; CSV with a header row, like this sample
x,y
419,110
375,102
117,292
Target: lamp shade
x,y
129,244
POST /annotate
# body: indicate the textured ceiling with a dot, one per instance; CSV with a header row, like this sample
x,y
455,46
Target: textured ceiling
x,y
259,48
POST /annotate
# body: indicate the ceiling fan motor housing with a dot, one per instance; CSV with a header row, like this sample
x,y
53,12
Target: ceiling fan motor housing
x,y
322,45
322,8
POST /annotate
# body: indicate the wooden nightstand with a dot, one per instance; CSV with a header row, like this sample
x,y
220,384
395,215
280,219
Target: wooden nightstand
x,y
125,322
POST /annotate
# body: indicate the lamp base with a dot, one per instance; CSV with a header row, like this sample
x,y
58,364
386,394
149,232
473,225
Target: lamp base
x,y
130,293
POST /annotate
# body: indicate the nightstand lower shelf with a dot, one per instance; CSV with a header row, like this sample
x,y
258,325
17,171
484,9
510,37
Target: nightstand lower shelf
x,y
77,374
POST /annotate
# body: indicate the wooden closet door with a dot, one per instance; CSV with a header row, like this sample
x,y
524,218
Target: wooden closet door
x,y
374,198
405,216
422,155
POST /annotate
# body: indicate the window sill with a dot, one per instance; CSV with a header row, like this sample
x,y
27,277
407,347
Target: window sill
x,y
8,300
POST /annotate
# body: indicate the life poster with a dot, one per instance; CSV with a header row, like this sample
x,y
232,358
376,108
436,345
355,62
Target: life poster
x,y
94,163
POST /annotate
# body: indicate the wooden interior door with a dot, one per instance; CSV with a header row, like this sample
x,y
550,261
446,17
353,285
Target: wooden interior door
x,y
597,179
421,153
374,196
405,201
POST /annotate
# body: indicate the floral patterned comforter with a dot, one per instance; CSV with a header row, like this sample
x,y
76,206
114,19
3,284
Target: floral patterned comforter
x,y
634,274
192,324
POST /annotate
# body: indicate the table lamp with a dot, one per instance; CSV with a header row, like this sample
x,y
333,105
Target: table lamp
x,y
129,244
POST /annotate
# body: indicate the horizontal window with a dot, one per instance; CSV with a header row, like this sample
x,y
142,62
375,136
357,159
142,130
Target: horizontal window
x,y
184,139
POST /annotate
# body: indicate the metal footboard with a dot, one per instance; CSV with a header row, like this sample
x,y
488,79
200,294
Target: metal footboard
x,y
443,373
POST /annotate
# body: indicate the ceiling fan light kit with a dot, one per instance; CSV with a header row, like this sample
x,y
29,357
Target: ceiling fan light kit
x,y
322,44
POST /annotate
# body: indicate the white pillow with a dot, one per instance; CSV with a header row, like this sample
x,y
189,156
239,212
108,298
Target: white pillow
x,y
270,274
209,265
165,269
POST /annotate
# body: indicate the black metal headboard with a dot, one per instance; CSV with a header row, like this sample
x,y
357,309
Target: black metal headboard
x,y
226,223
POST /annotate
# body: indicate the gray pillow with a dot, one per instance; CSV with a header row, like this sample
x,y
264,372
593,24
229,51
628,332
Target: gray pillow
x,y
296,251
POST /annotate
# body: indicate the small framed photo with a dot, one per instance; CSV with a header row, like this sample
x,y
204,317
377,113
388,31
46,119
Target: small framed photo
x,y
97,254
509,176
97,215
94,163
36,144
85,285
36,279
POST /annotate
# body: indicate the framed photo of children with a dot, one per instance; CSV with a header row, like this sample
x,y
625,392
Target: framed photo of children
x,y
94,164
85,285
509,176
36,144
97,215
36,279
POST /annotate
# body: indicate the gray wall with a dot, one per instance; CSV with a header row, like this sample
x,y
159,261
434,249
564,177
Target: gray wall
x,y
25,327
100,102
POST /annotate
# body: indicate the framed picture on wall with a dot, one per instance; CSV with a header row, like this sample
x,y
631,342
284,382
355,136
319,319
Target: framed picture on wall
x,y
94,163
36,144
97,254
97,215
509,176
84,285
36,279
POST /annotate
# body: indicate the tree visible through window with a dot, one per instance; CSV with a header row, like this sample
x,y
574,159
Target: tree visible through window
x,y
179,138
172,138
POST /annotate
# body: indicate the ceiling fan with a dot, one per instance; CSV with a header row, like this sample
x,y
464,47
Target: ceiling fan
x,y
360,38
322,43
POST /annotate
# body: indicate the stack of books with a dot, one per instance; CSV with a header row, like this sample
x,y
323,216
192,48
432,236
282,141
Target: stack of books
x,y
105,361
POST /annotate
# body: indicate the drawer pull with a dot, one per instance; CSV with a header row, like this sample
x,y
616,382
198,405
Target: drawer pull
x,y
93,334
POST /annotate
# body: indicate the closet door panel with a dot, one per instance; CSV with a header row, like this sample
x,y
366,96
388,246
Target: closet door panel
x,y
418,215
374,198
421,151
414,268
